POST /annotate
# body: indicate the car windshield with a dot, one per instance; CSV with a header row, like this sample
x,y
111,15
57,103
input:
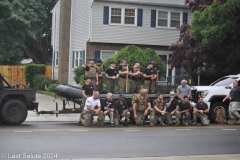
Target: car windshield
x,y
224,81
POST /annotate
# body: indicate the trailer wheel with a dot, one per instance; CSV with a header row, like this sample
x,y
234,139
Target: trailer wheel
x,y
14,112
214,108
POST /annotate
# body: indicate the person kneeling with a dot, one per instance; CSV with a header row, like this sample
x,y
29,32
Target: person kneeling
x,y
172,109
200,111
184,110
121,110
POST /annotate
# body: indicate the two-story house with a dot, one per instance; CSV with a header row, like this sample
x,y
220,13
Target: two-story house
x,y
82,29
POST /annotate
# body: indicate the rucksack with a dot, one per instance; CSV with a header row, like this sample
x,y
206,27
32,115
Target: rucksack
x,y
220,116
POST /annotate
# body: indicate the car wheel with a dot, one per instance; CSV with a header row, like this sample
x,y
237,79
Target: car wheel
x,y
213,109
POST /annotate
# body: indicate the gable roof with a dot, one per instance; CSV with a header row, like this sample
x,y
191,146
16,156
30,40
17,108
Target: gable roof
x,y
179,3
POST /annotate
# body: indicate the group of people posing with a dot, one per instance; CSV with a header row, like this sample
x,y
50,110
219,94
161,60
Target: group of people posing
x,y
126,76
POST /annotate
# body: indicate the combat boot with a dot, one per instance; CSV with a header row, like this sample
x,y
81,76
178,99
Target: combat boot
x,y
99,124
194,123
80,121
125,123
151,124
233,121
186,123
177,123
238,122
162,123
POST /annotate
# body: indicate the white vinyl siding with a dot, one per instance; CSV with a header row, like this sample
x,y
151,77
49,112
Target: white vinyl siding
x,y
144,35
106,54
169,19
123,16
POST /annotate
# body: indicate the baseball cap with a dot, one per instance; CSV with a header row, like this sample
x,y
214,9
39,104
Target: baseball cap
x,y
152,59
183,81
121,95
99,61
112,62
136,61
87,78
149,62
124,58
109,94
91,59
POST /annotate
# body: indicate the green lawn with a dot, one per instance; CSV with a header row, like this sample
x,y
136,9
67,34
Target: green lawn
x,y
47,93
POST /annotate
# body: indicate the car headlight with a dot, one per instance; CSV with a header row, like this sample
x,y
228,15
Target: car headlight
x,y
204,94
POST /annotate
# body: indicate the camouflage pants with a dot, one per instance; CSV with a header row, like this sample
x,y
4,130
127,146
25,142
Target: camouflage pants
x,y
233,109
93,82
150,85
125,114
203,118
186,116
169,117
99,87
140,119
154,116
134,86
87,117
122,85
110,114
111,85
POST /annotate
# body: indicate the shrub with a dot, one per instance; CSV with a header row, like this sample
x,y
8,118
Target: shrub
x,y
33,69
40,81
52,87
79,74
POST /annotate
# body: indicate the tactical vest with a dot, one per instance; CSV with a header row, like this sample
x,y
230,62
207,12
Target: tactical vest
x,y
124,68
99,68
142,104
159,104
92,72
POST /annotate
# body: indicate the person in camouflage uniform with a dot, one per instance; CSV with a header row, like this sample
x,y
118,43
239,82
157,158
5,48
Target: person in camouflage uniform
x,y
123,71
90,110
141,107
185,107
112,76
136,75
155,68
91,71
172,109
149,76
200,111
158,111
121,110
100,72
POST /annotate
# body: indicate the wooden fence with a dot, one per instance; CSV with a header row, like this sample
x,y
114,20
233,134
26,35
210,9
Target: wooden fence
x,y
16,73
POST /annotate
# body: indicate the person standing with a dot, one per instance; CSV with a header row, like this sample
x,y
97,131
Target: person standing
x,y
172,109
112,76
234,105
136,74
200,111
87,90
100,72
91,72
121,110
149,76
184,107
141,107
183,90
109,108
155,68
92,108
158,111
123,71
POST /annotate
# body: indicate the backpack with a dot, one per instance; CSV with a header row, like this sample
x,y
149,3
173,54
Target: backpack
x,y
220,116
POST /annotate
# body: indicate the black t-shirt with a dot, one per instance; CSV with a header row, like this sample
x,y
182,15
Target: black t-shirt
x,y
148,72
88,89
184,106
203,106
235,94
172,106
111,72
155,67
120,107
107,103
135,77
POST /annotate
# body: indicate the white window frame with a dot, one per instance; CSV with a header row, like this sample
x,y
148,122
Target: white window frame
x,y
56,57
123,16
101,53
78,56
169,18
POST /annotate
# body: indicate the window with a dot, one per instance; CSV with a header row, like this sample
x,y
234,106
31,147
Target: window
x,y
78,58
168,19
175,19
107,54
56,58
116,14
123,16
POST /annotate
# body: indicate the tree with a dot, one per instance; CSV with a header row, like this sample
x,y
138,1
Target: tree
x,y
22,25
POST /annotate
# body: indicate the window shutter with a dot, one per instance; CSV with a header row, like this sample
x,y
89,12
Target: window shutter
x,y
178,72
83,57
54,60
105,15
97,55
73,56
153,18
140,17
185,17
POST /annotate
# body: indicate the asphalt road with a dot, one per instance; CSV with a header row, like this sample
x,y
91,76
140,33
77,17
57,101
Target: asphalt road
x,y
67,140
